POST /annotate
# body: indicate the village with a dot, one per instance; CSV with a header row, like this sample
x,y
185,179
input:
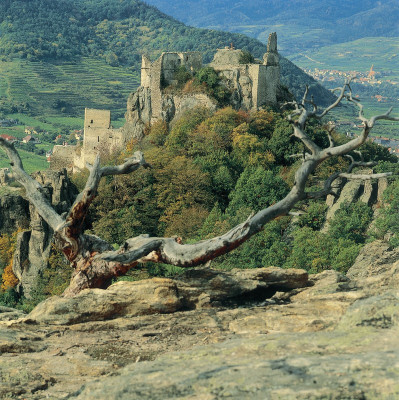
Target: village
x,y
371,77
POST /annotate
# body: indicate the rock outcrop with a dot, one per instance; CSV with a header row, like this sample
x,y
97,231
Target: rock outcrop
x,y
352,190
34,246
252,84
140,109
198,288
248,334
14,212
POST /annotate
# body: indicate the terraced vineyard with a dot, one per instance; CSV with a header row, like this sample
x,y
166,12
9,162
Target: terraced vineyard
x,y
52,89
56,94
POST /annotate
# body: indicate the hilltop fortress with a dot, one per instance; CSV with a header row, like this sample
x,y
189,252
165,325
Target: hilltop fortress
x,y
252,85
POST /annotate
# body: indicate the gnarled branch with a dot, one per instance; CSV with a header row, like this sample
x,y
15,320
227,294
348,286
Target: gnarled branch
x,y
95,262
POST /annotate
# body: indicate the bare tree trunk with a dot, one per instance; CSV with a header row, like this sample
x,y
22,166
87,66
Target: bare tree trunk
x,y
94,261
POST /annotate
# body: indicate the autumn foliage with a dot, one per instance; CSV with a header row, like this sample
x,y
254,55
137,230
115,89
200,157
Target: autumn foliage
x,y
7,248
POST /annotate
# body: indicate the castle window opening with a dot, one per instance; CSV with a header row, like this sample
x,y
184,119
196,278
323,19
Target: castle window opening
x,y
91,121
98,139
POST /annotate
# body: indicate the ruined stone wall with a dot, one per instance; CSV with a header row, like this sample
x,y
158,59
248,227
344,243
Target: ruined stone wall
x,y
100,140
192,60
99,136
62,157
272,82
262,92
156,93
170,63
252,85
161,73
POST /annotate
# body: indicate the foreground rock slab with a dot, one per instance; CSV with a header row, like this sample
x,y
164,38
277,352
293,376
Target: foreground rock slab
x,y
198,288
330,337
276,367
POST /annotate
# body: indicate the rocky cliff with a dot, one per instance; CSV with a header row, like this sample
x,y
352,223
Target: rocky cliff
x,y
14,212
244,334
34,245
139,109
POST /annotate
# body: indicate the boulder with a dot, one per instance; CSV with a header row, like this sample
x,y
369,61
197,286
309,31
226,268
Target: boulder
x,y
121,299
198,288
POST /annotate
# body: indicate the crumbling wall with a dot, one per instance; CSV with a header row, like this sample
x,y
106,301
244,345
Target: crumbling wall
x,y
145,72
97,118
254,85
62,157
156,93
155,76
100,140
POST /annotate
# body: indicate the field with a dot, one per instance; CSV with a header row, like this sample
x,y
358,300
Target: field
x,y
32,162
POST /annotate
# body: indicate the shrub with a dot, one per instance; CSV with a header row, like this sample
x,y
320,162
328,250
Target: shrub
x,y
246,57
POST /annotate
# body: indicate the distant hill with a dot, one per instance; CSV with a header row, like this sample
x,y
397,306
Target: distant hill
x,y
301,24
59,55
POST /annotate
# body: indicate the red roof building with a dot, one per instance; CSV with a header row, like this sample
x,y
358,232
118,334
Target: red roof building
x,y
8,138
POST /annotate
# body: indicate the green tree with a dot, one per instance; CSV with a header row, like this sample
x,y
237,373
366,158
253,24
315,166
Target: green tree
x,y
256,188
246,57
310,250
351,222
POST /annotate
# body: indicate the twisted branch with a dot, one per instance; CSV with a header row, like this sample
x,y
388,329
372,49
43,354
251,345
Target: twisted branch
x,y
93,259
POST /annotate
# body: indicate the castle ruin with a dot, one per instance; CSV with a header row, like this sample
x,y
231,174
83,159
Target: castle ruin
x,y
98,137
252,85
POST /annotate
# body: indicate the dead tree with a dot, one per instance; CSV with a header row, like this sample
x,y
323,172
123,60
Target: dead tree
x,y
95,262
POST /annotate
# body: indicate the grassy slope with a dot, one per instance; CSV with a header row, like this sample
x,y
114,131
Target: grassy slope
x,y
32,162
87,83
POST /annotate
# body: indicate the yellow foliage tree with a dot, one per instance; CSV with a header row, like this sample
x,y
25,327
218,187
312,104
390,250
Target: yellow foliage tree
x,y
7,249
9,279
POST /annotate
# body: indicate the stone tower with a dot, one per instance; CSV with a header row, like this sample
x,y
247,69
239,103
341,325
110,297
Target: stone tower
x,y
272,61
